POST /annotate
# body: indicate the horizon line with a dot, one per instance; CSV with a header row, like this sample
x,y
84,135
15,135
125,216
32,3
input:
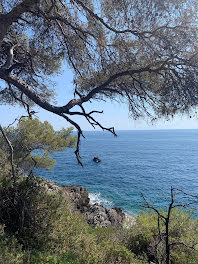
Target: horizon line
x,y
157,129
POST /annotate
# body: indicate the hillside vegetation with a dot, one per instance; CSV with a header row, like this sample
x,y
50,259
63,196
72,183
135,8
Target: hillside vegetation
x,y
39,227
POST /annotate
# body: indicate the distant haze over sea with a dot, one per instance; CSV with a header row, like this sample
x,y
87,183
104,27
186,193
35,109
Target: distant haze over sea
x,y
135,162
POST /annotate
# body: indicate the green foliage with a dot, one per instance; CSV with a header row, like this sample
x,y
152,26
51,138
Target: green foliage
x,y
47,258
27,211
39,227
143,238
92,246
146,49
31,135
45,230
10,250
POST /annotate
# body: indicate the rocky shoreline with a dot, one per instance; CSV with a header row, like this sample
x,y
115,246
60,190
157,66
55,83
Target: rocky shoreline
x,y
95,214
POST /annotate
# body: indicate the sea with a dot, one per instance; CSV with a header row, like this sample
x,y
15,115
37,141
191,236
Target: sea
x,y
135,164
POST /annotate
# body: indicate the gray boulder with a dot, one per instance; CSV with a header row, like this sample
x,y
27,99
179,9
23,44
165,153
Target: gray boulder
x,y
97,215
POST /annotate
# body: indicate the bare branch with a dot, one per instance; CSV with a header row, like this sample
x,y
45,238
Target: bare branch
x,y
17,119
77,151
147,205
26,105
166,220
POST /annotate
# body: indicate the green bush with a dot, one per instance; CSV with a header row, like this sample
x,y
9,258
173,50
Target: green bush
x,y
143,238
47,258
45,230
27,211
10,250
91,245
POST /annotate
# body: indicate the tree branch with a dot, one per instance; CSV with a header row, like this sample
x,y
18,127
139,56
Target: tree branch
x,y
80,133
7,19
134,32
182,244
147,205
27,90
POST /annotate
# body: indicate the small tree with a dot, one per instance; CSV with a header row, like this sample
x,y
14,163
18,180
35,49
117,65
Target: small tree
x,y
29,144
26,209
164,221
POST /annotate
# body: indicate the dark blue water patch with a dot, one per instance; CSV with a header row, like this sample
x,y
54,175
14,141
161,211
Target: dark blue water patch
x,y
135,162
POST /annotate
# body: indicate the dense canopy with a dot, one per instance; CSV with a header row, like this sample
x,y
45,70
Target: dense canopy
x,y
144,52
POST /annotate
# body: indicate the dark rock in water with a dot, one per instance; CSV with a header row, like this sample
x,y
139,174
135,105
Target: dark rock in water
x,y
96,214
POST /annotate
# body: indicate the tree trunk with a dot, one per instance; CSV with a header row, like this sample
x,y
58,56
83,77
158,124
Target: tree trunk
x,y
167,242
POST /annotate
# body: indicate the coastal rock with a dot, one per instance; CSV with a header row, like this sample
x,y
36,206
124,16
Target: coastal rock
x,y
79,197
51,186
116,216
96,214
100,216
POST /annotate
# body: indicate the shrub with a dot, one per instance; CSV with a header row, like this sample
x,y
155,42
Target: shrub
x,y
10,250
143,238
72,234
38,227
45,230
27,211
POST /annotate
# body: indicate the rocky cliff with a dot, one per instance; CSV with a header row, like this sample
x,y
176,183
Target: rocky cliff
x,y
95,214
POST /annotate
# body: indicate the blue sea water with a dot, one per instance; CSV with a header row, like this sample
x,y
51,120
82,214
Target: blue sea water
x,y
135,162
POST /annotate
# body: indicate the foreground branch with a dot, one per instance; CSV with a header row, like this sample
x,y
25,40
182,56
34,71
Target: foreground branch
x,y
28,91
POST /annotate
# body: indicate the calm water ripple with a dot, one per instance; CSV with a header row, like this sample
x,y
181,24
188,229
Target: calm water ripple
x,y
135,162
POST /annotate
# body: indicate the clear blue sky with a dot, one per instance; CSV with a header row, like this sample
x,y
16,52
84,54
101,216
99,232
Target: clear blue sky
x,y
115,114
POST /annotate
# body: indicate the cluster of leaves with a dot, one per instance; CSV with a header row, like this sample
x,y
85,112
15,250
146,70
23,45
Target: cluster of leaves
x,y
10,250
31,135
4,165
